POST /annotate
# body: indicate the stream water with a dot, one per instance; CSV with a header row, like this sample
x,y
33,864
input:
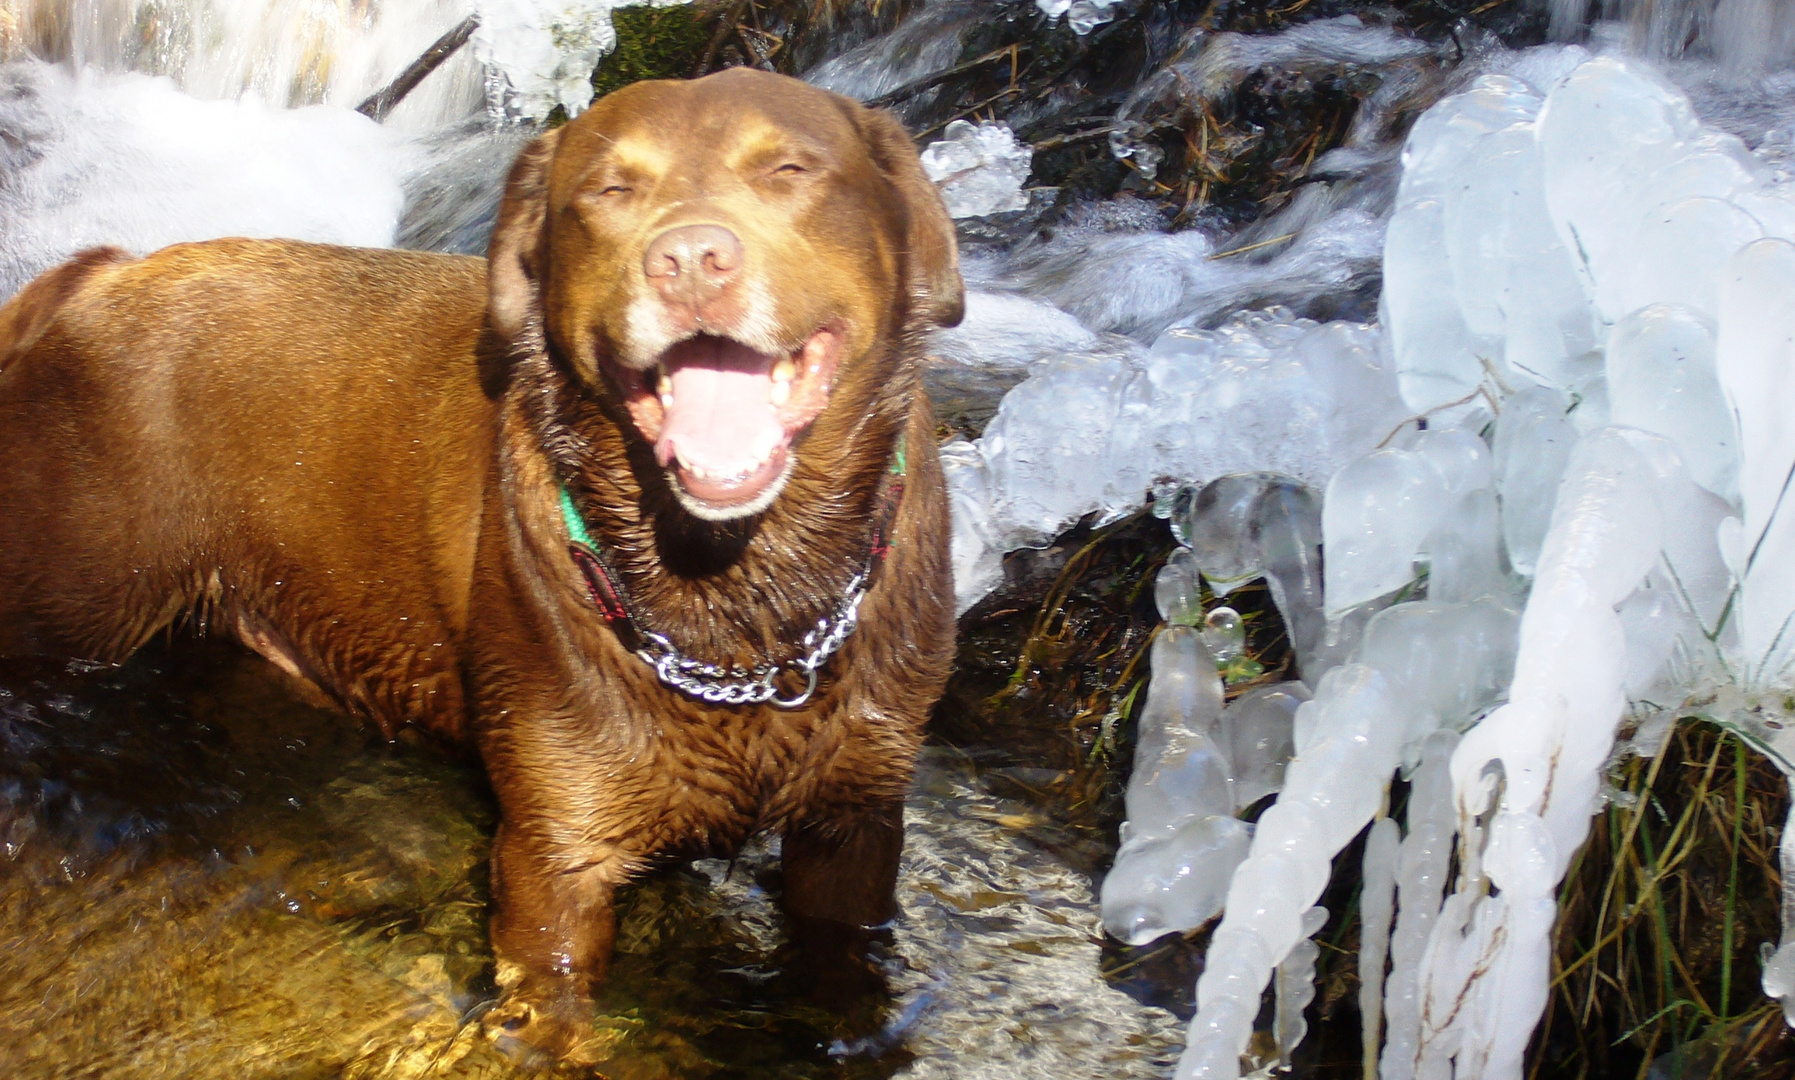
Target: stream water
x,y
206,878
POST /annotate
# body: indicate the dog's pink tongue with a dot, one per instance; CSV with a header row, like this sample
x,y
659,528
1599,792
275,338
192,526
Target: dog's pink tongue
x,y
721,420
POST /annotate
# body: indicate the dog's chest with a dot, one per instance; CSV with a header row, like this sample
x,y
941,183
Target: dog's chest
x,y
722,775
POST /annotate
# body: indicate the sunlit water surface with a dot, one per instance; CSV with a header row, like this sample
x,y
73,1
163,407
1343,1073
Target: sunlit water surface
x,y
204,877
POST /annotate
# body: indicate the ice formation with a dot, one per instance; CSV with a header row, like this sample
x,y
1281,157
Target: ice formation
x,y
1263,393
1082,16
1198,763
545,50
980,168
1587,298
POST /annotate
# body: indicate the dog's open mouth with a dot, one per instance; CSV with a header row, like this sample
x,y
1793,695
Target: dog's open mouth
x,y
722,416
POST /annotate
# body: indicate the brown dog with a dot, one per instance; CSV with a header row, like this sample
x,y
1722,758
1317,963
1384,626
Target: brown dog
x,y
671,427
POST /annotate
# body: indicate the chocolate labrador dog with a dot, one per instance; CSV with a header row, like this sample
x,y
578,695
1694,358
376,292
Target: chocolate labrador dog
x,y
645,506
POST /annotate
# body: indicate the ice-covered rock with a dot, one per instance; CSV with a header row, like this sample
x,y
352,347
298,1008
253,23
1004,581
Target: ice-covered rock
x,y
980,168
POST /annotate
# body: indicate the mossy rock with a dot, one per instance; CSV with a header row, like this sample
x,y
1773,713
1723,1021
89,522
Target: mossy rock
x,y
653,43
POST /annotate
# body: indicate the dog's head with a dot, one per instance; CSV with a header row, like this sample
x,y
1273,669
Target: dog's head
x,y
729,259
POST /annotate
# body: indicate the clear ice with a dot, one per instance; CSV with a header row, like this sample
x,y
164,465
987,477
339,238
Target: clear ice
x,y
979,168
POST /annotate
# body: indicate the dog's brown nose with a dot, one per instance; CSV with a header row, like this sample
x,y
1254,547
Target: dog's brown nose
x,y
691,264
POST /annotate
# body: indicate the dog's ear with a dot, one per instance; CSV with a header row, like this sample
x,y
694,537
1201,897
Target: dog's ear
x,y
933,257
515,254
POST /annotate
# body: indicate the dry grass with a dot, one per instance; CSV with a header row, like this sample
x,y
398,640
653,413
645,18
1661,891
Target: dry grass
x,y
1661,919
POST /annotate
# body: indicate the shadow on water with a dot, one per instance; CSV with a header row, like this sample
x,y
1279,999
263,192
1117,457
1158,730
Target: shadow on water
x,y
205,877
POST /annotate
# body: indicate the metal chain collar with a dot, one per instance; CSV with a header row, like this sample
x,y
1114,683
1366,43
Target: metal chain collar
x,y
734,685
744,686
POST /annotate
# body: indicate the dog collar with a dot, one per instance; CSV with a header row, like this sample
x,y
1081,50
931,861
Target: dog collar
x,y
734,685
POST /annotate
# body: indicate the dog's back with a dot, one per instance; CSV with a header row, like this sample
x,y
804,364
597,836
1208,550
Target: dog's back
x,y
184,434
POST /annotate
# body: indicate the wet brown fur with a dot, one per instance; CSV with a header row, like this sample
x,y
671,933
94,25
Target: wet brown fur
x,y
350,460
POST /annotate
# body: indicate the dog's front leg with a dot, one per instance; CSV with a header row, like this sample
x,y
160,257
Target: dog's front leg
x,y
840,875
843,868
553,924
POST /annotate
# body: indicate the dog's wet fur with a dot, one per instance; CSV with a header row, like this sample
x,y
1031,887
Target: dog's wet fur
x,y
353,461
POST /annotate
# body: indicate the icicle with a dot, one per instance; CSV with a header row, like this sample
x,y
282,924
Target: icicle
x,y
1181,839
1423,862
1354,731
1378,883
1485,974
1296,986
1779,967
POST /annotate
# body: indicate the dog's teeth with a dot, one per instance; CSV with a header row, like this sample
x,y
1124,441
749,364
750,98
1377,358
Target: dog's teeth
x,y
680,456
780,393
765,443
664,387
784,371
666,401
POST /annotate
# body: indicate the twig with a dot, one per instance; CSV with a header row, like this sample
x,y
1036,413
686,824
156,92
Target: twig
x,y
382,102
726,21
929,82
1057,141
992,100
1252,247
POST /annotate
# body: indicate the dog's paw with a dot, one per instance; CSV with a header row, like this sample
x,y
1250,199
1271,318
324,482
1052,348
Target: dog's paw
x,y
540,1028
